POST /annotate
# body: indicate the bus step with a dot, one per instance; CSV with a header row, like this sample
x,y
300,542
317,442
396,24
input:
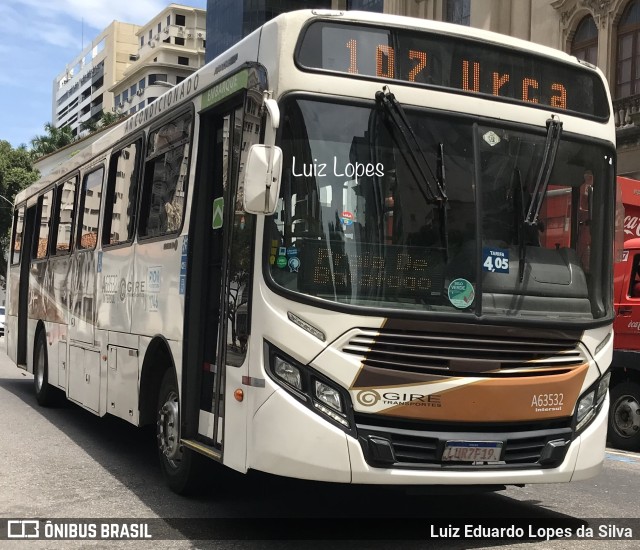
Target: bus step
x,y
202,449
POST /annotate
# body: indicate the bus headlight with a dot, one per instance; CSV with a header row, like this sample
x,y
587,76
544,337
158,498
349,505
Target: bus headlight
x,y
585,411
603,387
590,402
310,387
328,395
287,372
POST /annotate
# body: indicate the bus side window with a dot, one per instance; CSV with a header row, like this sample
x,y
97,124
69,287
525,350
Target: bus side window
x,y
89,211
165,178
45,204
63,215
122,195
18,230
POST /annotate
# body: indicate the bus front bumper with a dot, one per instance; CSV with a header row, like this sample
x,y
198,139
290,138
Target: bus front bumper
x,y
289,439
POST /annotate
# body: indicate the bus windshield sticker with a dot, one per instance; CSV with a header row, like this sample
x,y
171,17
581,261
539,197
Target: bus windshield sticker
x,y
495,260
461,293
294,264
218,213
491,138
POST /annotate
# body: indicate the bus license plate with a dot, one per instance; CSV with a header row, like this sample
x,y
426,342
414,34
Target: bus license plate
x,y
472,451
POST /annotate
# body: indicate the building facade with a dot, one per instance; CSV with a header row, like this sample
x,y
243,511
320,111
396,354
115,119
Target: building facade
x,y
169,48
80,92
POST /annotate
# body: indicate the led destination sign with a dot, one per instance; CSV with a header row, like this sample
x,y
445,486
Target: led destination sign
x,y
454,63
370,270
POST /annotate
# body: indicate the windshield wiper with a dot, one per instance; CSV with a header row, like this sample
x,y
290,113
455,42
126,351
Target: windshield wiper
x,y
517,197
430,186
554,132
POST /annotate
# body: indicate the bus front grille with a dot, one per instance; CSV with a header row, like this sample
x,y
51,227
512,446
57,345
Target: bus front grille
x,y
414,446
414,351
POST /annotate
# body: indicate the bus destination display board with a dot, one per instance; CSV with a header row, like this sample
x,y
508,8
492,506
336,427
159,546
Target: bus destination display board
x,y
453,63
370,270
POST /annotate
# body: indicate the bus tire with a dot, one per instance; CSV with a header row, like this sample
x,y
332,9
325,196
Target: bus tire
x,y
182,468
45,393
624,416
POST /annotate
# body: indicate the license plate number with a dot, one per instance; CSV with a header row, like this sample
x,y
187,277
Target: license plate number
x,y
472,451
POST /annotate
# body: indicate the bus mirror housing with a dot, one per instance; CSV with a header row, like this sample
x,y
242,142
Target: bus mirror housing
x,y
262,175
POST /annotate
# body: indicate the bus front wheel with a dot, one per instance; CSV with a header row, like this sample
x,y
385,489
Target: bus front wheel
x,y
43,390
182,467
624,416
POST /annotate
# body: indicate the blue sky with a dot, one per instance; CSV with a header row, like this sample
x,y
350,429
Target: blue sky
x,y
37,40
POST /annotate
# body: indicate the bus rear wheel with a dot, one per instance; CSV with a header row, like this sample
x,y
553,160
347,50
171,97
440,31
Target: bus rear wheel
x,y
45,393
624,416
182,468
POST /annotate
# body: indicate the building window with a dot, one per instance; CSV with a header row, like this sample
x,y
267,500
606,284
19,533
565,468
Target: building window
x,y
116,100
133,90
183,60
159,27
628,61
141,41
150,34
179,41
180,20
458,11
168,20
180,79
585,42
125,96
141,84
153,78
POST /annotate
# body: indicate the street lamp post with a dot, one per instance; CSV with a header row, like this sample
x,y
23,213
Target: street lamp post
x,y
6,200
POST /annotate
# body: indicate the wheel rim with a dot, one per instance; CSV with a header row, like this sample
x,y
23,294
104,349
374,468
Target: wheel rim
x,y
626,416
40,370
169,430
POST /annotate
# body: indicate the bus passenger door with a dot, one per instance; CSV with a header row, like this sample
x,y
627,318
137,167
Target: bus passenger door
x,y
219,285
20,295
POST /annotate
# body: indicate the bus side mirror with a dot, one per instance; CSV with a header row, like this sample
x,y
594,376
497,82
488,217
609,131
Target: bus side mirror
x,y
262,175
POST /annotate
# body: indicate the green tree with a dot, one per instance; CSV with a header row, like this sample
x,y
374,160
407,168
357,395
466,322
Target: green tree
x,y
106,118
16,173
52,140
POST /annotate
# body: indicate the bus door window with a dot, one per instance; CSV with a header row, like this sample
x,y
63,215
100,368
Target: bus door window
x,y
164,191
121,195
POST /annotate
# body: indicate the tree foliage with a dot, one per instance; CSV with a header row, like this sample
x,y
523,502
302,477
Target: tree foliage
x,y
52,140
95,124
16,173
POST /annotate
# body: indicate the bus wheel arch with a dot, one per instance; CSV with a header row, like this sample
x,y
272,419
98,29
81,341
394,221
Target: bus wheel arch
x,y
157,361
182,468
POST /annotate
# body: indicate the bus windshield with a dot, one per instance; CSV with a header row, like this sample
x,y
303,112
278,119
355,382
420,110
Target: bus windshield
x,y
355,226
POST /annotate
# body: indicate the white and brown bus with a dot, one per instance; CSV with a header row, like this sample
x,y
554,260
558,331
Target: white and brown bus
x,y
323,255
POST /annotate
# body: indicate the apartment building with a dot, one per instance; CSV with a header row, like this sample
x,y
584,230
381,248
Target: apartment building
x,y
80,92
169,48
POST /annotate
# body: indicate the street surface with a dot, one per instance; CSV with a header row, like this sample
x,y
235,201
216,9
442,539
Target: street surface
x,y
67,463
